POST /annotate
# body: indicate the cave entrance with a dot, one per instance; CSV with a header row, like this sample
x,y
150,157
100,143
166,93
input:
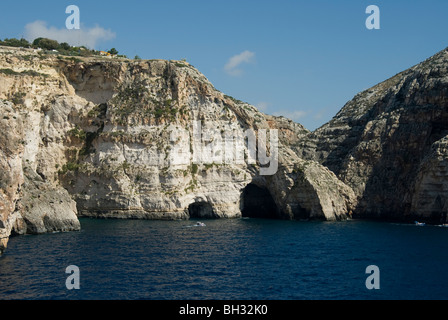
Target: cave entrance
x,y
201,210
257,202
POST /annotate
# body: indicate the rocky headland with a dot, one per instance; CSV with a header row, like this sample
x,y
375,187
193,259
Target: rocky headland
x,y
115,138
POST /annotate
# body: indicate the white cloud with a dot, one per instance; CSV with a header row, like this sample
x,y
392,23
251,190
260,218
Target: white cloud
x,y
88,37
293,115
232,66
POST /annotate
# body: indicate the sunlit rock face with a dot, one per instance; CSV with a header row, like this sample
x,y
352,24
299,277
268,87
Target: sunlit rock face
x,y
146,139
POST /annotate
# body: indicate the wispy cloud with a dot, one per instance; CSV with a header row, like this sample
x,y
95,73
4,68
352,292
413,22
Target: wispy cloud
x,y
262,106
232,66
88,37
290,114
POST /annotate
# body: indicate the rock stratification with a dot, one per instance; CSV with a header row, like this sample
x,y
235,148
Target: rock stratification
x,y
390,145
120,138
153,139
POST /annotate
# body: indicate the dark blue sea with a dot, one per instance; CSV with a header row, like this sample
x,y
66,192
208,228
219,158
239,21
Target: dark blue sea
x,y
243,259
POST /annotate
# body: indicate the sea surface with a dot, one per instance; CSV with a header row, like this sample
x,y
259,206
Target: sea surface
x,y
243,259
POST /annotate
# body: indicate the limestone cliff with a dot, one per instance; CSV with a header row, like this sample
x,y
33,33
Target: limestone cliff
x,y
390,145
117,138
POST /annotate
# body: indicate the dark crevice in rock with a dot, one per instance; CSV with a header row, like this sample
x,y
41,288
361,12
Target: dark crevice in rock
x,y
201,210
257,202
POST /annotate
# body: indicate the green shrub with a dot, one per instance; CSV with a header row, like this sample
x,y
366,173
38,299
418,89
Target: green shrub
x,y
9,72
113,51
180,65
46,43
78,133
98,111
70,167
18,98
13,42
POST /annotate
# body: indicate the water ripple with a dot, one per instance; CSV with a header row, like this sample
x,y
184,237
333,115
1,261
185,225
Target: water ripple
x,y
228,259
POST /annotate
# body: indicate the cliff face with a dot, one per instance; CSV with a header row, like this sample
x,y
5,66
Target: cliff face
x,y
390,145
154,139
11,173
121,139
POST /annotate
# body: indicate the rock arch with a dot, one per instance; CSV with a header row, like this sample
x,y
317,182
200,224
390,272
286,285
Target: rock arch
x,y
201,210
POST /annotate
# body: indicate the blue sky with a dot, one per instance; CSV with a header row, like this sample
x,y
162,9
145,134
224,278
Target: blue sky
x,y
301,59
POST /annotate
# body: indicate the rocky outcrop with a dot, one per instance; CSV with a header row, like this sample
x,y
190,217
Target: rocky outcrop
x,y
117,138
389,145
153,139
305,190
28,204
11,173
136,151
430,189
46,208
31,200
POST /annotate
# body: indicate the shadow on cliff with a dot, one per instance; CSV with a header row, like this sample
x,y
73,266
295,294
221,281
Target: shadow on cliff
x,y
394,158
257,202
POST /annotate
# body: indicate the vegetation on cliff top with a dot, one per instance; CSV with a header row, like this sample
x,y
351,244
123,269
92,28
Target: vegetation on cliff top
x,y
62,48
